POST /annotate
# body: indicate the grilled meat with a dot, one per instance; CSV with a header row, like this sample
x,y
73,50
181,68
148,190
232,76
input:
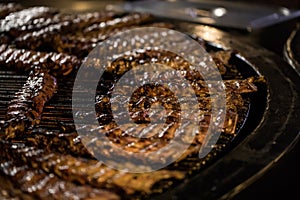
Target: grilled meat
x,y
92,175
13,24
58,64
55,37
45,38
27,183
26,108
81,45
125,21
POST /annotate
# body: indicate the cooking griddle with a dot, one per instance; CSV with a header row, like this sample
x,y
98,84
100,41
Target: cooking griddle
x,y
269,130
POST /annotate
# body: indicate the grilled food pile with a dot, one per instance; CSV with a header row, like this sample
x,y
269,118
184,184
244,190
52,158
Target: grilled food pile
x,y
42,155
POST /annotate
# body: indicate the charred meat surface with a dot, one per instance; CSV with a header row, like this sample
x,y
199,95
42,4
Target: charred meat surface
x,y
56,37
45,38
58,64
87,174
81,45
26,108
15,23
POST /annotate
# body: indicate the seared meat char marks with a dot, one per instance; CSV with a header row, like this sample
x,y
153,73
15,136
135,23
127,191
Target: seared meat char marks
x,y
25,110
22,60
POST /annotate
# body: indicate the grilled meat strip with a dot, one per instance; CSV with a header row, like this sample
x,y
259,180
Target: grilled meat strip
x,y
63,142
14,23
58,64
26,108
29,177
55,37
89,173
45,38
81,45
125,21
36,184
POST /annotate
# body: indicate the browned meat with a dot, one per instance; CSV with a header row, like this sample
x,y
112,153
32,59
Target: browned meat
x,y
95,30
58,64
26,108
61,142
60,25
55,37
13,23
29,177
81,45
65,169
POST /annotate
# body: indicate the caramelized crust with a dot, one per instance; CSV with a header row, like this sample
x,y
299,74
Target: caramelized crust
x,y
58,25
25,110
57,64
14,23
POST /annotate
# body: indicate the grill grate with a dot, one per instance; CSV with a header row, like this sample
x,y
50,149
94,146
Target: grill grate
x,y
10,83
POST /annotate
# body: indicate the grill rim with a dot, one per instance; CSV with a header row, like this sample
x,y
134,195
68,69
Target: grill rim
x,y
212,182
